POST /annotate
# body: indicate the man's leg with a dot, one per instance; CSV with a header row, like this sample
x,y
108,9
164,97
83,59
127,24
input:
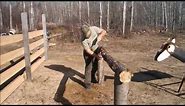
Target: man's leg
x,y
88,68
94,70
94,75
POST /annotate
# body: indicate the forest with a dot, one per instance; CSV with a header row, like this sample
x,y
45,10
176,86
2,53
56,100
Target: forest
x,y
118,17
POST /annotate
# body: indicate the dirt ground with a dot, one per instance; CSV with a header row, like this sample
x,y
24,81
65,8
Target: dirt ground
x,y
59,80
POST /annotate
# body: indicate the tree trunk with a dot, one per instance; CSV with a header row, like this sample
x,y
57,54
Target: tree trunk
x,y
1,21
163,14
108,5
88,12
180,16
24,6
100,14
11,26
173,19
69,10
132,17
31,17
166,17
45,10
124,18
156,15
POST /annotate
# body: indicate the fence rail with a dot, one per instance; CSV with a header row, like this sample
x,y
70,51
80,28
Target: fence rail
x,y
31,60
5,40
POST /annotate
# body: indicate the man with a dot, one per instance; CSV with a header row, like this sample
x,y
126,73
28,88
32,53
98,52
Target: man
x,y
90,38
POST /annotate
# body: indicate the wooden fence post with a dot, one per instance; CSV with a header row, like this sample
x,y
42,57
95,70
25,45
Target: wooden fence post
x,y
45,36
24,21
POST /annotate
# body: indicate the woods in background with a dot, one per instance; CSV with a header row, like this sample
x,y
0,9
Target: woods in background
x,y
120,17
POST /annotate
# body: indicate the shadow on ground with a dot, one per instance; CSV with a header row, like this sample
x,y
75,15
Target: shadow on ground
x,y
146,75
68,73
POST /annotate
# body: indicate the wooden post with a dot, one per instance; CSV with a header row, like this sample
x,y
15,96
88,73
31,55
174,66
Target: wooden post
x,y
120,91
24,21
122,77
45,36
100,71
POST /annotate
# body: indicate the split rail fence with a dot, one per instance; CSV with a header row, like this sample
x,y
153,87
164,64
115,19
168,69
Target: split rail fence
x,y
30,56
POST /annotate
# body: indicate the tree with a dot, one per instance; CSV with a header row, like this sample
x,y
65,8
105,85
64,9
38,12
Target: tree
x,y
31,17
88,12
24,6
100,14
124,17
108,5
132,17
11,26
180,15
1,19
165,15
80,14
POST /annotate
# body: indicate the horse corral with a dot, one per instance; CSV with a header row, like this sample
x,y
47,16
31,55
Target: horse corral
x,y
60,79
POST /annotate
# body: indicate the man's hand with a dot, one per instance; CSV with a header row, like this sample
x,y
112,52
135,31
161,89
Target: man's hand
x,y
101,35
97,56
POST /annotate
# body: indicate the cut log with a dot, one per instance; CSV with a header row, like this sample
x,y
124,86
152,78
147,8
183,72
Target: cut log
x,y
100,71
122,77
124,74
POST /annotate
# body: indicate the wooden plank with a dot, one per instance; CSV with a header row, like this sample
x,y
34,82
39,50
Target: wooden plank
x,y
34,34
26,45
4,93
36,44
18,52
17,82
5,40
45,36
12,71
37,64
37,54
16,68
11,55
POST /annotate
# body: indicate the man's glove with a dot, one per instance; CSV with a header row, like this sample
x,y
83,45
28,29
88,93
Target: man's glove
x,y
97,56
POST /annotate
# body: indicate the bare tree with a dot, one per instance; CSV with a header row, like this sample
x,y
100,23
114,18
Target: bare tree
x,y
163,14
1,20
100,14
45,9
124,17
156,15
80,14
166,17
11,26
24,6
108,14
31,17
88,12
132,17
180,15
